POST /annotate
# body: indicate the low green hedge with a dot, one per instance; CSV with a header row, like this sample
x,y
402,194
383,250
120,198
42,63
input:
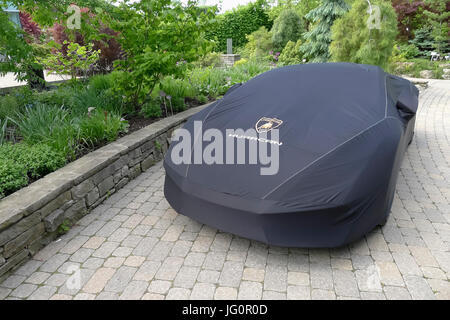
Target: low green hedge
x,y
22,163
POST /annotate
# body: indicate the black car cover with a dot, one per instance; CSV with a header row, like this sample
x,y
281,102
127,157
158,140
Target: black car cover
x,y
343,130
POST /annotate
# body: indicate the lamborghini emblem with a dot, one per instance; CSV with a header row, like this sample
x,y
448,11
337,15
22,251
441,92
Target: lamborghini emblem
x,y
267,124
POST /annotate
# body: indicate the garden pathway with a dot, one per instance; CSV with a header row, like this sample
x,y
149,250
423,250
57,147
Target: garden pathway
x,y
134,246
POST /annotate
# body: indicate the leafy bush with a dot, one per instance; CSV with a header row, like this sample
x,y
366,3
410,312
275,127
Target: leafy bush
x,y
211,59
413,67
78,59
287,27
20,163
366,45
259,44
101,126
38,123
99,94
403,52
61,97
8,106
157,45
240,62
291,54
208,81
424,41
152,109
12,177
238,23
3,126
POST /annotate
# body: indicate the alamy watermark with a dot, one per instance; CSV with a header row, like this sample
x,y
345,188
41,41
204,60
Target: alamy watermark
x,y
74,19
374,20
229,147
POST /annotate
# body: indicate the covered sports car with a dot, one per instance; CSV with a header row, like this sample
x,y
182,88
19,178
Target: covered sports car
x,y
343,130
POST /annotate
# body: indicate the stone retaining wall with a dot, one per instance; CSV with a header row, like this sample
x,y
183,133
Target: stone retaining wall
x,y
31,217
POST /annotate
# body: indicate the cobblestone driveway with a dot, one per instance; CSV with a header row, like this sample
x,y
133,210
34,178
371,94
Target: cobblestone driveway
x,y
134,246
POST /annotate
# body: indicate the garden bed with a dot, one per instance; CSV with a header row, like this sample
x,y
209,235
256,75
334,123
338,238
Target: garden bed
x,y
37,214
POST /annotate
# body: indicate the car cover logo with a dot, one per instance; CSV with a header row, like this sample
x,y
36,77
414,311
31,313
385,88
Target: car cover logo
x,y
267,124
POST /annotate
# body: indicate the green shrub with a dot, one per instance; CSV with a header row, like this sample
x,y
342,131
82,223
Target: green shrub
x,y
291,54
287,27
366,45
238,23
101,126
208,81
259,44
21,162
8,106
424,41
175,92
63,96
38,123
413,68
12,177
152,109
409,51
212,59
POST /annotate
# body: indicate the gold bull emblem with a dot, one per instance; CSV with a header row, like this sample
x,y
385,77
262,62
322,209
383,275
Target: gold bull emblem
x,y
267,124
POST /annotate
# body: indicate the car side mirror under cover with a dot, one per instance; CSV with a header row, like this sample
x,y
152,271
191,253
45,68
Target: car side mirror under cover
x,y
408,103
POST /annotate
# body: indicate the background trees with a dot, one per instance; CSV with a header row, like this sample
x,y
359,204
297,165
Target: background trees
x,y
238,23
438,16
287,27
353,40
315,49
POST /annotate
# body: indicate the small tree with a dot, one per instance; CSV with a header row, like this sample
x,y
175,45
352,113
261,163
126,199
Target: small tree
x,y
438,14
158,38
291,54
78,60
371,41
287,27
424,41
259,44
315,48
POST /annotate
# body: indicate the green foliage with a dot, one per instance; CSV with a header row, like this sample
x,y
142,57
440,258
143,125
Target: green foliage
x,y
211,59
424,41
152,109
302,8
99,94
64,227
291,54
3,127
49,125
287,27
238,23
101,126
439,19
413,67
208,81
366,45
78,60
157,45
20,59
20,163
8,106
403,52
315,49
259,44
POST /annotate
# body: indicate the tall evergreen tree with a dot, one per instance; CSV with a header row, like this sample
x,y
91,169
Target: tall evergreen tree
x,y
371,41
318,39
438,14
